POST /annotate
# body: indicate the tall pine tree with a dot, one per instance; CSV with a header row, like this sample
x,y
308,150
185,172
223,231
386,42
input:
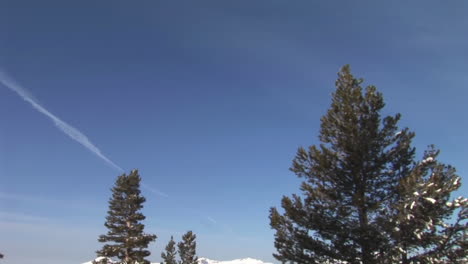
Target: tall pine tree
x,y
187,249
169,257
364,197
125,238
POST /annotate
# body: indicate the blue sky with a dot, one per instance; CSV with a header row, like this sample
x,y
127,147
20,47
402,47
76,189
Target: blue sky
x,y
209,100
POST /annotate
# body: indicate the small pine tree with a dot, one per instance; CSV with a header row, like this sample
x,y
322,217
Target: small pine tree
x,y
169,257
365,198
417,223
187,249
125,238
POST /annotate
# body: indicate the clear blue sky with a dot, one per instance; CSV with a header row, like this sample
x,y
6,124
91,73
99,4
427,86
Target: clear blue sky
x,y
209,100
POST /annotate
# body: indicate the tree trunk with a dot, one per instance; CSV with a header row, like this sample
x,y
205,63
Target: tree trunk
x,y
363,223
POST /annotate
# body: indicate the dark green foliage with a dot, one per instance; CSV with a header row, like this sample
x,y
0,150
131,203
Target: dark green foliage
x,y
420,232
125,238
169,257
187,249
358,192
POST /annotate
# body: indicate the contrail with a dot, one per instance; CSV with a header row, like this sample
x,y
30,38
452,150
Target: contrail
x,y
72,132
151,189
212,220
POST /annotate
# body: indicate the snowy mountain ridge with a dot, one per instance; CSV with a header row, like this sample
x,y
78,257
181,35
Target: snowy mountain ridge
x,y
210,261
235,261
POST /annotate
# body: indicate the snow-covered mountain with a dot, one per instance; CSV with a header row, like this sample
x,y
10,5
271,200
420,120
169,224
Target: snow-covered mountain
x,y
236,261
98,259
210,261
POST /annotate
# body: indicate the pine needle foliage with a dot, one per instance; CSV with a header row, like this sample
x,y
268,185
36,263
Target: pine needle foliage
x,y
169,257
364,198
187,249
125,238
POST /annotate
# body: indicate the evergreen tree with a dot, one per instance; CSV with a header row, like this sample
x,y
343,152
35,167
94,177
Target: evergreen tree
x,y
169,257
417,221
364,197
187,249
125,238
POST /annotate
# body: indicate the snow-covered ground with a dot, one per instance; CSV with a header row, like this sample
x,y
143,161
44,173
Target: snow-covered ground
x,y
210,261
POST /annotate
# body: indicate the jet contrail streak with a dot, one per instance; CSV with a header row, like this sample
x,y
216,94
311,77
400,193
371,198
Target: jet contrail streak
x,y
72,132
151,189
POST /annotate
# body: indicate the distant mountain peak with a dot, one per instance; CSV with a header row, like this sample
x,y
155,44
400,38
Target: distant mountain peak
x,y
235,261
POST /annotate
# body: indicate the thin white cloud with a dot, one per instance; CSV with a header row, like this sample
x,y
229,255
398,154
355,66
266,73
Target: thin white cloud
x,y
151,189
21,217
72,132
37,201
211,220
26,198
